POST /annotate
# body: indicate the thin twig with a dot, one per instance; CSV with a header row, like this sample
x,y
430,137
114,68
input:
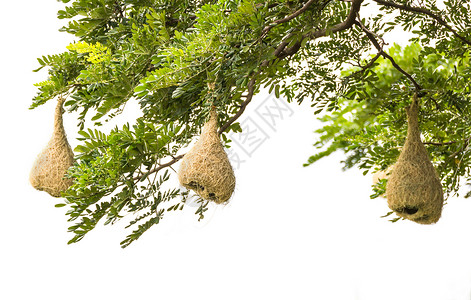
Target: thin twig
x,y
439,144
250,90
286,19
346,24
425,12
160,167
465,145
367,66
281,52
373,40
370,32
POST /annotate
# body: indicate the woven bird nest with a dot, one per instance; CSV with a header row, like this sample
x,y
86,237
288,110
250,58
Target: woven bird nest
x,y
206,169
414,190
53,162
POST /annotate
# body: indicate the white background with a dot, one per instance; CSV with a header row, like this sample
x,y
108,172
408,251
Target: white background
x,y
289,232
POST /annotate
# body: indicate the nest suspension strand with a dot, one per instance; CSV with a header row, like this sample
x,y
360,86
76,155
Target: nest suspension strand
x,y
53,162
206,169
414,190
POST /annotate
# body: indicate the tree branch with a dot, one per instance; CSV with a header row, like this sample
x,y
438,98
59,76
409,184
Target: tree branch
x,y
250,90
346,24
279,53
286,19
367,66
425,12
160,167
349,21
364,28
373,40
439,144
465,145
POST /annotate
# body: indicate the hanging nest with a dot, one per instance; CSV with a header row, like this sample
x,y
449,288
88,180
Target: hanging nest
x,y
53,162
206,169
414,190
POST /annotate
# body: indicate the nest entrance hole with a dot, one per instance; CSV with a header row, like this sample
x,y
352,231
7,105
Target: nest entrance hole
x,y
196,186
410,210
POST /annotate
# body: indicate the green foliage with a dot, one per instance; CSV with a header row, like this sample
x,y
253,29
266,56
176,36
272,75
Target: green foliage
x,y
118,166
370,125
177,58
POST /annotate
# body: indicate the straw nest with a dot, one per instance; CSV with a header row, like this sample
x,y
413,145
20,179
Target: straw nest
x,y
206,169
52,163
414,190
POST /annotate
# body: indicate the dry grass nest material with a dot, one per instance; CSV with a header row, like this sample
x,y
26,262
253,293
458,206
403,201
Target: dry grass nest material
x,y
206,169
414,190
53,162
